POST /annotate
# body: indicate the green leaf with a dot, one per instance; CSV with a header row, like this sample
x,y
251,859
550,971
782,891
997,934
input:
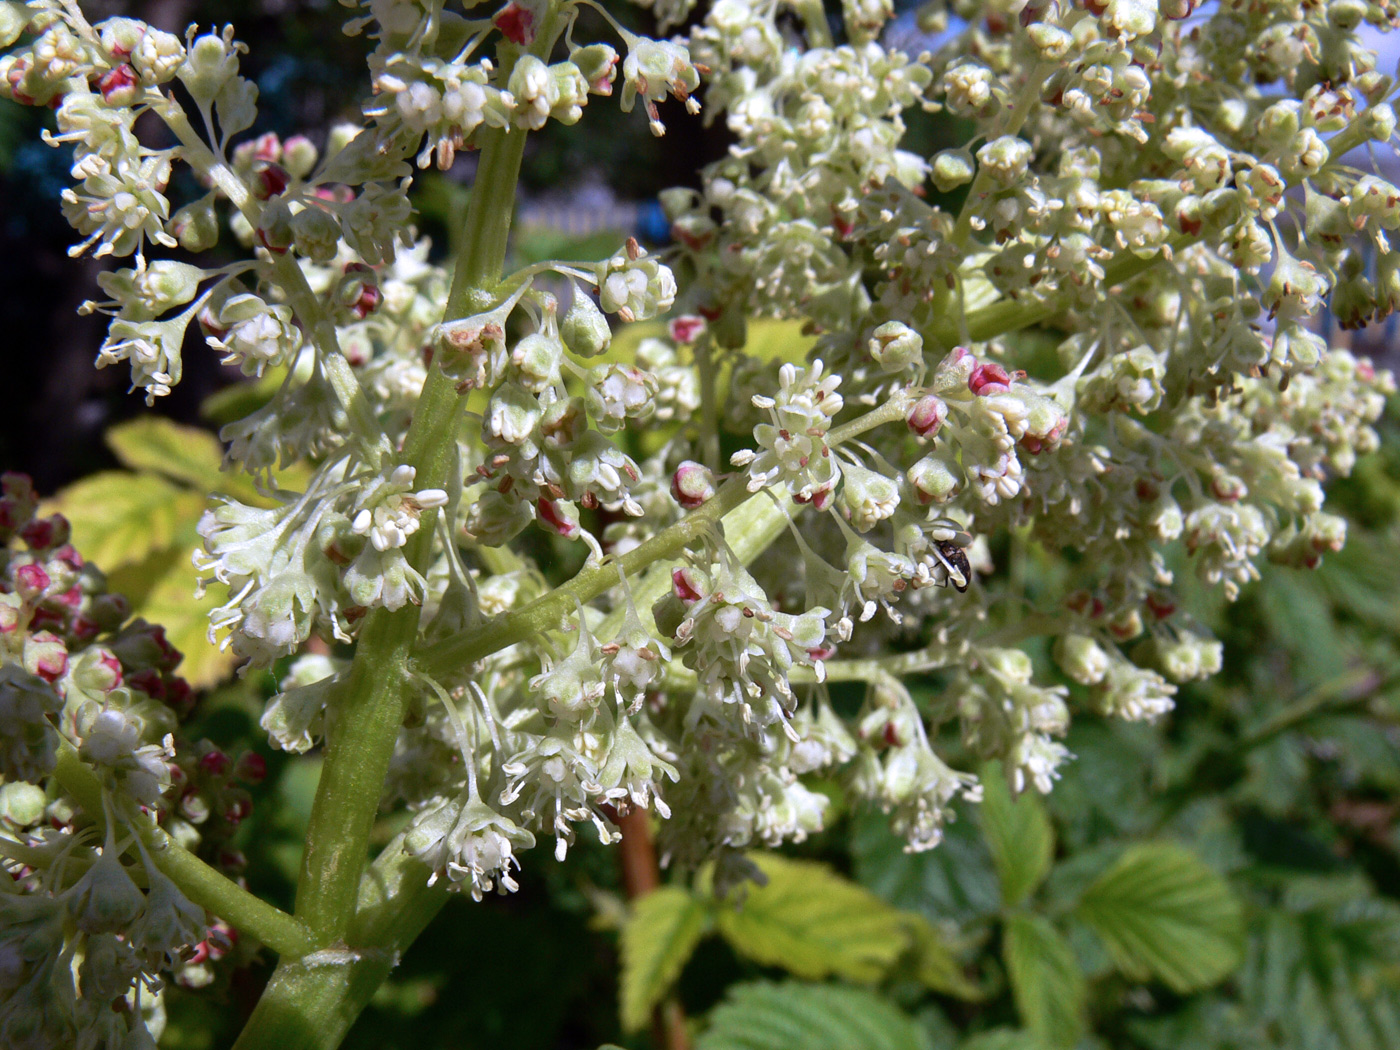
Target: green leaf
x,y
1002,1039
119,518
794,1016
1326,977
1045,980
1162,913
936,963
1018,834
954,881
813,923
661,932
188,454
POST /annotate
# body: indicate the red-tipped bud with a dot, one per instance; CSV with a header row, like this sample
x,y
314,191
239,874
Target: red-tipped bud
x,y
687,328
692,484
683,586
517,23
119,86
927,415
989,378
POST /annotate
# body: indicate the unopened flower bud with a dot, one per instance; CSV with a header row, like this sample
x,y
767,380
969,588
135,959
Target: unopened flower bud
x,y
598,64
934,478
14,18
275,227
927,414
1081,658
1052,42
692,484
1005,159
299,156
315,234
952,168
583,328
196,225
895,346
119,86
987,379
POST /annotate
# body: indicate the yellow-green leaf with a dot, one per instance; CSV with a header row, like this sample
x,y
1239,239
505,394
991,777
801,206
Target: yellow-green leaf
x,y
1161,912
161,589
1046,981
812,923
1018,834
188,454
661,932
119,518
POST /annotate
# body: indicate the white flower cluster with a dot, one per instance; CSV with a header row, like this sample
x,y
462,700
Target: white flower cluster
x,y
1167,202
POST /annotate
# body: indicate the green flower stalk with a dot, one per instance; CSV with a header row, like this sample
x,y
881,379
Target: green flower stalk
x,y
1132,190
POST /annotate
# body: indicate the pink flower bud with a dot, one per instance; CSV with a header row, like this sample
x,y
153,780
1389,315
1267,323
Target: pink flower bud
x,y
215,763
251,768
270,180
687,328
44,533
553,518
517,23
683,586
692,484
927,415
45,656
238,810
31,581
147,681
119,86
989,378
112,666
267,147
1160,605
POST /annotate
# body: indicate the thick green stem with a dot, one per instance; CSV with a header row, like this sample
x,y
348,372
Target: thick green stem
x,y
311,1002
203,885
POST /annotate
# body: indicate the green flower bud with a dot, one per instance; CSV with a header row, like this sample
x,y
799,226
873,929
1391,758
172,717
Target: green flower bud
x,y
584,329
22,804
1005,159
14,18
196,225
299,156
952,168
1081,658
538,356
598,65
1379,122
1346,15
895,346
315,234
1052,42
935,478
210,63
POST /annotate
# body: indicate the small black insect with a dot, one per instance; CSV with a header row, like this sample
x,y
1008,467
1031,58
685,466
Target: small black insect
x,y
956,557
